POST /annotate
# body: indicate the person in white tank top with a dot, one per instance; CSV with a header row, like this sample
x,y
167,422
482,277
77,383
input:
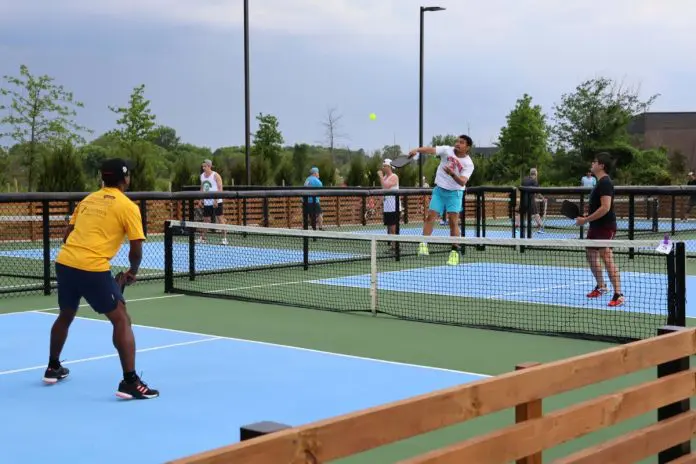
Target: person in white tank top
x,y
211,181
389,181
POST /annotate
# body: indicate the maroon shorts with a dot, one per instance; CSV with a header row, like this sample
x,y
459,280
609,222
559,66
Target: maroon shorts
x,y
601,233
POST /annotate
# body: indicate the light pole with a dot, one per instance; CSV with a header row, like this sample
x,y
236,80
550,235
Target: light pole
x,y
247,116
423,10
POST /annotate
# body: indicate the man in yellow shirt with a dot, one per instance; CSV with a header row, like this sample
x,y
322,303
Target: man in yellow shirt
x,y
96,232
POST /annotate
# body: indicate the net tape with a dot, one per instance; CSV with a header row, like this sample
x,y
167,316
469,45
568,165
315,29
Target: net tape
x,y
643,245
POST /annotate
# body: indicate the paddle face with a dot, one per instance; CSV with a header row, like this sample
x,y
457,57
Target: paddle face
x,y
570,209
401,161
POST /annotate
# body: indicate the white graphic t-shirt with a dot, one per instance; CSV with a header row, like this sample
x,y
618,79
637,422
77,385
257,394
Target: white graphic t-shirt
x,y
460,166
210,185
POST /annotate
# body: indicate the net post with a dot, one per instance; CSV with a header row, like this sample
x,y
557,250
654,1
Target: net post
x,y
143,214
582,208
244,211
483,213
478,214
305,253
523,214
373,276
363,210
631,222
305,213
679,316
528,214
305,226
46,233
192,241
528,411
397,228
192,255
168,257
462,216
266,220
671,410
511,211
673,214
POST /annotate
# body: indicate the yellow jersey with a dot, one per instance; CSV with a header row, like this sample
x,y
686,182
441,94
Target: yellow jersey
x,y
101,221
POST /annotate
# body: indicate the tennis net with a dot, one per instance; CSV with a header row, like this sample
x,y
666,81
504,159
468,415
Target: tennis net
x,y
523,285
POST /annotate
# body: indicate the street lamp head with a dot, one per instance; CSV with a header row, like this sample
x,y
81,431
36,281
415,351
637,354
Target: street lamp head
x,y
432,8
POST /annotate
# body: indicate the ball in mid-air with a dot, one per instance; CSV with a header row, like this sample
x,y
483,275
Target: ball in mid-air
x,y
373,116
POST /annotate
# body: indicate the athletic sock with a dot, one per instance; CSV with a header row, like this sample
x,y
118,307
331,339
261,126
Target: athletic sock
x,y
53,363
130,377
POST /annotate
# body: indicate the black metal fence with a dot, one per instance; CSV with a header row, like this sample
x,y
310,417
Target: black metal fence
x,y
642,212
32,225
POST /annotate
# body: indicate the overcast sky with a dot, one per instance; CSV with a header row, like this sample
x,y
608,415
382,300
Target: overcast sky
x,y
359,56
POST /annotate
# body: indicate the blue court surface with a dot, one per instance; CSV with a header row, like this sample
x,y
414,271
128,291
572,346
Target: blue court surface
x,y
553,286
210,386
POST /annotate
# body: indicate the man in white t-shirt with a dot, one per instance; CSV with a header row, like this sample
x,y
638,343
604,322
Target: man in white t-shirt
x,y
452,175
211,181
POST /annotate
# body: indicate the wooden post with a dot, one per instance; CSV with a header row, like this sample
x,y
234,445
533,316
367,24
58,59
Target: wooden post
x,y
671,410
527,411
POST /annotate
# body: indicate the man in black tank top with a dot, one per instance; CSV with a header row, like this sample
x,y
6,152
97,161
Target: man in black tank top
x,y
602,221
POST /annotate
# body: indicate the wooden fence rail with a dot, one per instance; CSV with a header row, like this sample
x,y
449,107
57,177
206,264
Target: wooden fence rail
x,y
524,389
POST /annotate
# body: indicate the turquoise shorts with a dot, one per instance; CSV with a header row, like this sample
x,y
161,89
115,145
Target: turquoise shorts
x,y
449,201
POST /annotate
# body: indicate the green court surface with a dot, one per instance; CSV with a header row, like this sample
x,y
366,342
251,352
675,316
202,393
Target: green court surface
x,y
365,335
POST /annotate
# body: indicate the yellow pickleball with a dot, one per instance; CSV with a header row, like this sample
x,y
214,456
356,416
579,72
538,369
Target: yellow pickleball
x,y
373,116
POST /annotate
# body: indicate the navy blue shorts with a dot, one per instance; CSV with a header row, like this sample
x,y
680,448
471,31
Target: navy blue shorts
x,y
99,289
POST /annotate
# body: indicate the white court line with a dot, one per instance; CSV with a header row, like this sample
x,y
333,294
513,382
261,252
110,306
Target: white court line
x,y
86,305
106,356
277,345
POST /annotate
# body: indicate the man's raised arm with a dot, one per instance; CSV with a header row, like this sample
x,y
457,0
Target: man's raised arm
x,y
423,150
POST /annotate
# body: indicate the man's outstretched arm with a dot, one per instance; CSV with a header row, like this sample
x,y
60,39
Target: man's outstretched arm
x,y
423,150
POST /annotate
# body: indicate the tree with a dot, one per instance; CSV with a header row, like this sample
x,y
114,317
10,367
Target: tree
x,y
92,158
677,164
4,168
140,154
523,142
327,170
268,140
596,114
332,129
184,173
165,137
356,175
440,140
62,170
41,112
284,172
300,163
136,119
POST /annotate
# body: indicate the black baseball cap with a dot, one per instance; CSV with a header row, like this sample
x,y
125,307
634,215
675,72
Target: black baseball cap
x,y
115,169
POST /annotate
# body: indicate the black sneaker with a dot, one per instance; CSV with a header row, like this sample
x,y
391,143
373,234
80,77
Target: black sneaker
x,y
137,390
52,376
